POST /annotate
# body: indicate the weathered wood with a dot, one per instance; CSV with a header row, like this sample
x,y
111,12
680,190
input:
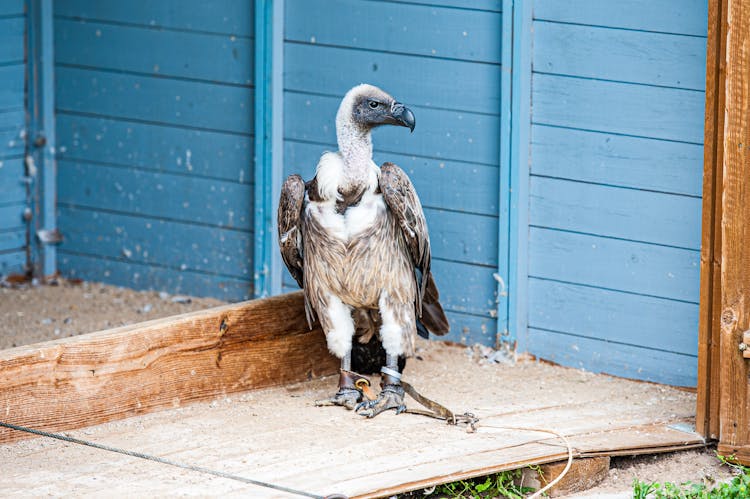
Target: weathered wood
x,y
735,239
583,474
707,413
122,372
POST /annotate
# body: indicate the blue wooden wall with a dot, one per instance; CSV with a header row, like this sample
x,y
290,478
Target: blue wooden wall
x,y
12,129
615,185
154,122
442,59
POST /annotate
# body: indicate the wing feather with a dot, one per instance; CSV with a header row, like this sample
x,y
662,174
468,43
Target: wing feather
x,y
290,225
403,201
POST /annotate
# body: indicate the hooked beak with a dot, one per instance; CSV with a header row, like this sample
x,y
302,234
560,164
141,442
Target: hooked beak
x,y
403,116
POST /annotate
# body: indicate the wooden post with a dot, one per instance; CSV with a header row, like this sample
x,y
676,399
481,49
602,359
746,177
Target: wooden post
x,y
269,145
707,413
131,370
725,293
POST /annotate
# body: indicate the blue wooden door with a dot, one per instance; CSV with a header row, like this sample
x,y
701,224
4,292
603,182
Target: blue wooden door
x,y
13,196
615,186
442,59
154,122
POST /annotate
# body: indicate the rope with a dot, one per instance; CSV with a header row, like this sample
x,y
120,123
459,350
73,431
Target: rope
x,y
140,455
439,411
559,477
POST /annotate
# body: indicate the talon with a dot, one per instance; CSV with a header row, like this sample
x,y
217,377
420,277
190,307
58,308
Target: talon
x,y
345,397
392,397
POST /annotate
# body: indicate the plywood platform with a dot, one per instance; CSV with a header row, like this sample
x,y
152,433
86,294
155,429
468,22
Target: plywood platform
x,y
277,435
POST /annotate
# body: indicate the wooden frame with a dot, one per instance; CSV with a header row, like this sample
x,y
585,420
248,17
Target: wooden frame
x,y
269,144
58,385
723,410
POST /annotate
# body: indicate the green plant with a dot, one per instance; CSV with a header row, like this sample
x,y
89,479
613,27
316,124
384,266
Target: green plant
x,y
738,487
504,484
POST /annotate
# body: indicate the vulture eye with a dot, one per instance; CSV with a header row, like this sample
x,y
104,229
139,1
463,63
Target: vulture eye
x,y
374,104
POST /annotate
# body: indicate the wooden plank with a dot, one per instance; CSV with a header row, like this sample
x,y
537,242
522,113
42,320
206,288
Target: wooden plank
x,y
735,234
12,32
163,363
440,134
12,239
618,160
12,188
155,147
462,237
201,56
401,451
643,111
613,316
11,214
152,241
622,55
491,5
629,361
686,17
464,287
471,35
316,69
614,264
12,90
709,329
11,144
152,277
12,262
12,8
469,329
12,119
652,217
231,17
158,100
154,194
584,473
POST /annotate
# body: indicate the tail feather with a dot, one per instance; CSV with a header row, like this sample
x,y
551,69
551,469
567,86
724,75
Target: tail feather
x,y
433,316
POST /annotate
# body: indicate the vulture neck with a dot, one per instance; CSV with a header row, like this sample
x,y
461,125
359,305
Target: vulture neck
x,y
355,146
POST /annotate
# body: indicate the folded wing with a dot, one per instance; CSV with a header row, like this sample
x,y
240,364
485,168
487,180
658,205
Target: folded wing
x,y
401,198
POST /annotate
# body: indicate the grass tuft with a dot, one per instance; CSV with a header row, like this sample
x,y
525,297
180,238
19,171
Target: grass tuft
x,y
738,487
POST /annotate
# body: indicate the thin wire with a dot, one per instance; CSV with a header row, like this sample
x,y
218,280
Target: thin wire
x,y
199,469
559,477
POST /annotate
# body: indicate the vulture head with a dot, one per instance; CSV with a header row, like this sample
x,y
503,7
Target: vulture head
x,y
366,106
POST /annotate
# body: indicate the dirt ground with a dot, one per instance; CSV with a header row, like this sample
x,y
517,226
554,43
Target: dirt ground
x,y
31,314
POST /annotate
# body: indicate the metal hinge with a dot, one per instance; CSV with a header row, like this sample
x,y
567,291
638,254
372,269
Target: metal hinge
x,y
47,236
745,345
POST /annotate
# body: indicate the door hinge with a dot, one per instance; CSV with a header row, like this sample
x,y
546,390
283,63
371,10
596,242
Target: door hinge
x,y
745,345
47,236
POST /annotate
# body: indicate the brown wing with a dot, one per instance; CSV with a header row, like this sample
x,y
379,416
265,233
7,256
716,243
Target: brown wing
x,y
402,199
290,225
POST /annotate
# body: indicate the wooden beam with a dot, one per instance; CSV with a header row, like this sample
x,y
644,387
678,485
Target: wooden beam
x,y
117,373
707,410
269,144
735,234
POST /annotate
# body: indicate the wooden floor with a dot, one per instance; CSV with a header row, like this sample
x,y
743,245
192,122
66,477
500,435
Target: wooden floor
x,y
277,435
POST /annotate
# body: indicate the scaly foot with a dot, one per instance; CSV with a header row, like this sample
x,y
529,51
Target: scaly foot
x,y
346,397
392,397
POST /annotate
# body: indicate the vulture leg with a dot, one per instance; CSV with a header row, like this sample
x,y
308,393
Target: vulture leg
x,y
348,395
392,393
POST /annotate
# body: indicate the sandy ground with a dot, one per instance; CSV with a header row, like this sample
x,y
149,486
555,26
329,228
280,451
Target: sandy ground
x,y
30,314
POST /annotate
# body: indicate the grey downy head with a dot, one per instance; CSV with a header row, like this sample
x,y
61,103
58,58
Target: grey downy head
x,y
368,106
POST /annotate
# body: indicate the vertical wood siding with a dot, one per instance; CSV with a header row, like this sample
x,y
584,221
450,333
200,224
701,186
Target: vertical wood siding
x,y
155,134
12,143
615,186
442,59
